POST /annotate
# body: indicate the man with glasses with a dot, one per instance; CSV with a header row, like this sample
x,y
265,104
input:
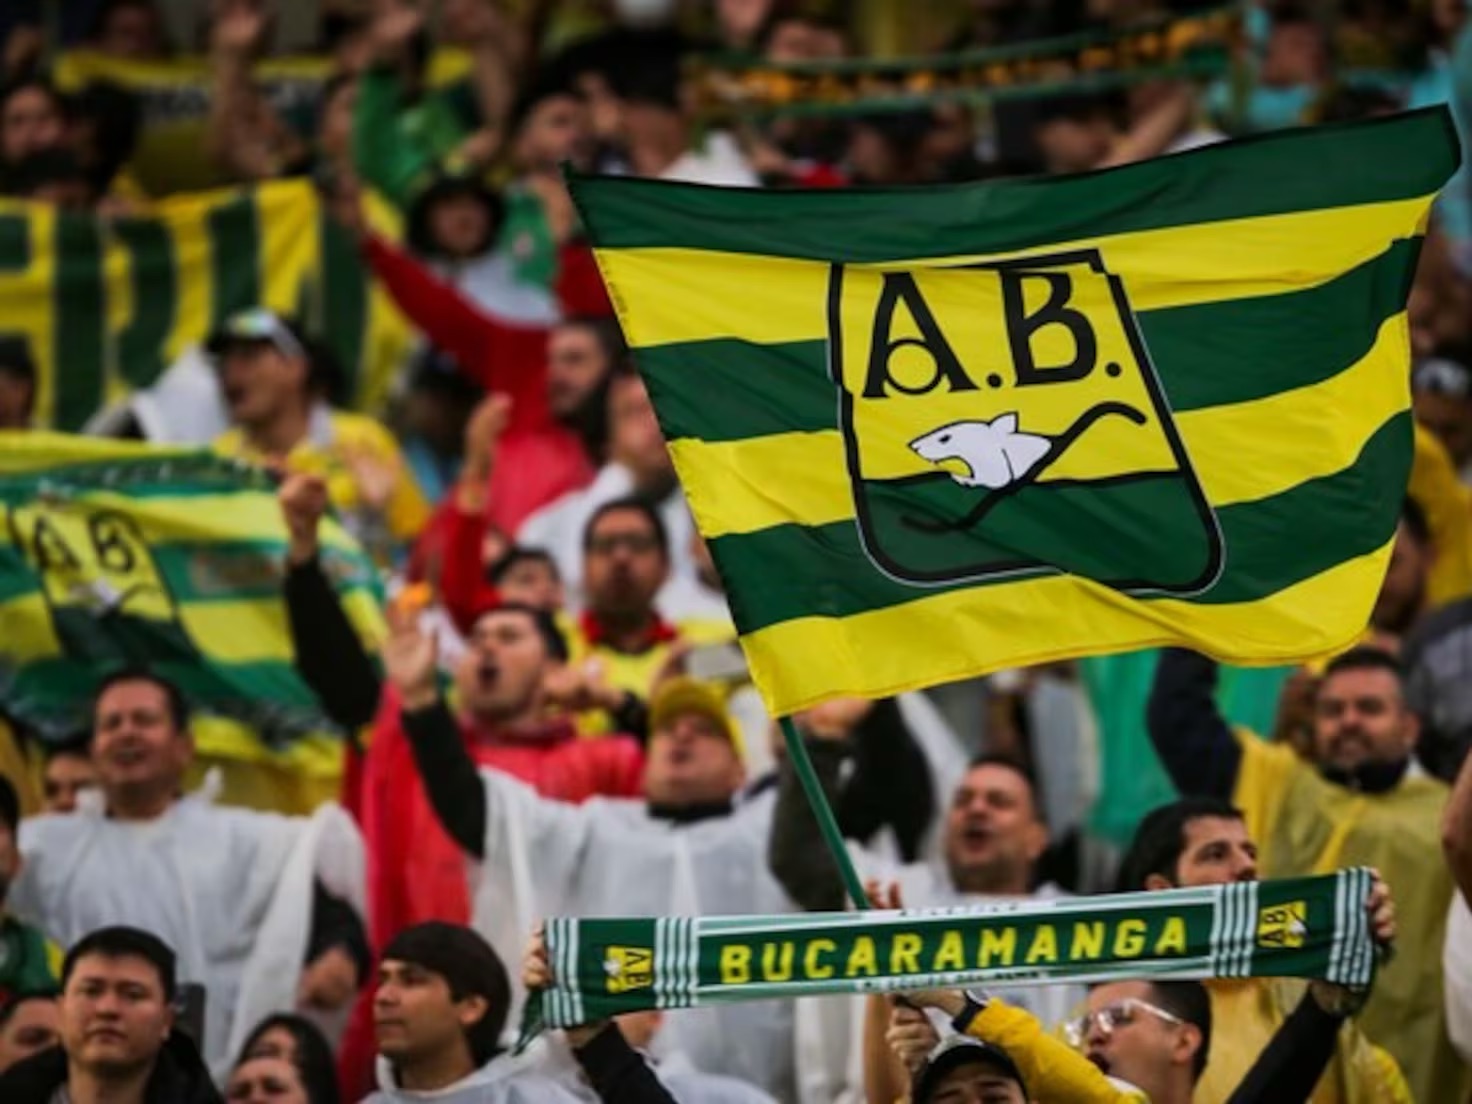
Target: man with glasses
x,y
1140,1041
1356,797
621,644
1202,841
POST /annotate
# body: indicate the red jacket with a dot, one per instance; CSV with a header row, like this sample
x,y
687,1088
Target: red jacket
x,y
537,459
464,590
416,872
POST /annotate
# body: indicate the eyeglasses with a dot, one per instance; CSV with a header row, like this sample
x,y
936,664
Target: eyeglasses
x,y
637,543
1111,1016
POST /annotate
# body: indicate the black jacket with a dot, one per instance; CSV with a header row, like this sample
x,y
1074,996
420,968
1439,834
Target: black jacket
x,y
179,1076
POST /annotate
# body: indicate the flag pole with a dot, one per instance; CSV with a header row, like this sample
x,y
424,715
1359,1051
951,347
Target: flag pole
x,y
797,752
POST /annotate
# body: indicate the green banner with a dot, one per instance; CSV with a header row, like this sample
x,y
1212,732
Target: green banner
x,y
1188,46
174,99
1300,927
119,554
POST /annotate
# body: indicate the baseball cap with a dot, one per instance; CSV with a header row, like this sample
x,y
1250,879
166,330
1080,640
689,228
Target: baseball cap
x,y
689,695
962,1050
1442,376
253,325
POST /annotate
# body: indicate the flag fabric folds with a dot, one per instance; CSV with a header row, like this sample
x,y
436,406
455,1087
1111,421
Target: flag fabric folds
x,y
931,433
118,554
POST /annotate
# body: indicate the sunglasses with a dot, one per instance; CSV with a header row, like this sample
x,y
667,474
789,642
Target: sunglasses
x,y
1111,1016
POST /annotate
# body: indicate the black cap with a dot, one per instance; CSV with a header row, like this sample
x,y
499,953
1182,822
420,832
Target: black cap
x,y
962,1050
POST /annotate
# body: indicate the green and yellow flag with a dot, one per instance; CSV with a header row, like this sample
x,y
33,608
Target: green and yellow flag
x,y
117,554
931,433
106,305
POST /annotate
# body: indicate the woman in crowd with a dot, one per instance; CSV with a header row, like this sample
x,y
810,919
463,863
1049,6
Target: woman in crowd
x,y
285,1060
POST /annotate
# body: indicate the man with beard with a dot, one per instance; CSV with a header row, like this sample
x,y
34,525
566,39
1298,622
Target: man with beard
x,y
1359,800
993,837
693,846
1201,841
621,642
638,465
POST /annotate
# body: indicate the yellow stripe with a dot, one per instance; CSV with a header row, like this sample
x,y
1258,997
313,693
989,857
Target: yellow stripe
x,y
697,295
942,638
744,486
252,630
213,518
25,626
749,485
1252,450
289,243
255,630
30,305
194,288
314,753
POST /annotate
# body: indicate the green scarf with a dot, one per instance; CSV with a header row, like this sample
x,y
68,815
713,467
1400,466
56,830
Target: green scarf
x,y
1298,927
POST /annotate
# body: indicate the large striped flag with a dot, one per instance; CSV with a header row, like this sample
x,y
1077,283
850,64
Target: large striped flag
x,y
117,554
106,305
931,433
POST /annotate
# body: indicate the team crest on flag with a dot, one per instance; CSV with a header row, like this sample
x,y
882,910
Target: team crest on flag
x,y
1283,925
993,414
629,968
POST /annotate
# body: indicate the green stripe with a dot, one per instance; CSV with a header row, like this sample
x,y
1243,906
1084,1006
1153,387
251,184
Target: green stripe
x,y
247,570
1205,355
1243,349
764,389
15,243
792,571
155,296
52,694
344,304
235,257
80,321
16,577
1401,157
179,475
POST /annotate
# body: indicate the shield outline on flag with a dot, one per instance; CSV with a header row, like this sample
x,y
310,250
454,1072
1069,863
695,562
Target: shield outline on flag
x,y
888,566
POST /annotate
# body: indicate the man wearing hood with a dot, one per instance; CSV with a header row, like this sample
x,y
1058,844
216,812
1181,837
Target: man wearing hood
x,y
118,1040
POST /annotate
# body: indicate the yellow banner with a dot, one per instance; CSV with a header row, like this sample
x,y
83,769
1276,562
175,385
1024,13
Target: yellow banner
x,y
175,100
105,306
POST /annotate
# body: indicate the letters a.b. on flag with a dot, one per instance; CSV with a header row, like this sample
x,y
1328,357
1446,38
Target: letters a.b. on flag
x,y
1003,420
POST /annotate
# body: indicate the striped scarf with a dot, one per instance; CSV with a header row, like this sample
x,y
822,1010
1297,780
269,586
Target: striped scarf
x,y
1300,927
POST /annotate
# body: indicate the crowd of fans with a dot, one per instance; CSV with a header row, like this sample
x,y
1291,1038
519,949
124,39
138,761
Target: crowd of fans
x,y
559,721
